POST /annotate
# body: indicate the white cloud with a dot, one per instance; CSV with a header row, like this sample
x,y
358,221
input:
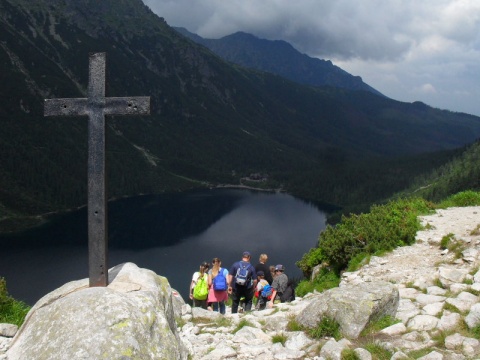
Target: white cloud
x,y
397,46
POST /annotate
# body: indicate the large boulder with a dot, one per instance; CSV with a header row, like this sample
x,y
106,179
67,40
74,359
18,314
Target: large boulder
x,y
352,306
132,318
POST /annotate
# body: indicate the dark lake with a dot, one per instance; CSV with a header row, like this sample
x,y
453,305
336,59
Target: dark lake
x,y
170,234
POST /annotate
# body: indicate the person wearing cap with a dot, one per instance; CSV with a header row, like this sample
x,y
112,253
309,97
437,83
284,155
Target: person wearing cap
x,y
279,284
245,290
262,266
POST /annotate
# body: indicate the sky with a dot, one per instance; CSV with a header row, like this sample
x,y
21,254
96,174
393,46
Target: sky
x,y
409,50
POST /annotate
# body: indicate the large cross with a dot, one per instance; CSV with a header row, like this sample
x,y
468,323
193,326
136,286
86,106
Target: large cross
x,y
96,106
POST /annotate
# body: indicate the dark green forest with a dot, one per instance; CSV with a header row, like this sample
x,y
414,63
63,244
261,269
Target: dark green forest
x,y
211,122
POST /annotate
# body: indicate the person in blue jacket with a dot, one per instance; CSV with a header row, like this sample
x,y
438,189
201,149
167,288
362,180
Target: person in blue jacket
x,y
242,280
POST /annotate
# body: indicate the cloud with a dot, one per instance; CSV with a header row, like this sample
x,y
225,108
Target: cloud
x,y
427,89
434,42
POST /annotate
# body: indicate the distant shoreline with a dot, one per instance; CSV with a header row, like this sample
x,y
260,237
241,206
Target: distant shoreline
x,y
17,224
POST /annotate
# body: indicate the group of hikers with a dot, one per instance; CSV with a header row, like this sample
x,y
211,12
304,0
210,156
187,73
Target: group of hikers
x,y
212,285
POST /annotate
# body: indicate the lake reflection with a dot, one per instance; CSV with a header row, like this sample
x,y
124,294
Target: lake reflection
x,y
169,234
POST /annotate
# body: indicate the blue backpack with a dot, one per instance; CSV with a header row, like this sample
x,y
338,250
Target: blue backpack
x,y
267,291
241,278
220,281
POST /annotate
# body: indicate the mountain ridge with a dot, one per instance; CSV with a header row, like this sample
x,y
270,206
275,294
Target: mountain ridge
x,y
281,58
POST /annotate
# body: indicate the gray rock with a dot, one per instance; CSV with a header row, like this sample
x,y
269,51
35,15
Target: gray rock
x,y
353,307
332,350
396,329
433,309
476,277
205,314
79,322
423,322
436,290
8,330
473,317
449,321
362,354
425,299
448,276
298,341
463,301
434,355
399,355
178,303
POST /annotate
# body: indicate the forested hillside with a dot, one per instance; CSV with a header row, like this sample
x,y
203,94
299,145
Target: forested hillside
x,y
211,122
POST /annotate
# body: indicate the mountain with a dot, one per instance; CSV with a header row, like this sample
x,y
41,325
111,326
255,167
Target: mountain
x,y
281,58
211,122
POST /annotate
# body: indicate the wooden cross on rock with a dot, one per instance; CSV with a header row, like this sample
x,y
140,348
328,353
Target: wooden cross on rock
x,y
96,106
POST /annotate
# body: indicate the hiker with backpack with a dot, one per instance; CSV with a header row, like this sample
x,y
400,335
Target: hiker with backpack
x,y
279,284
242,281
263,292
217,282
199,286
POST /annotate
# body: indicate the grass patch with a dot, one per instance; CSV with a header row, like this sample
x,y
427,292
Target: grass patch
x,y
475,231
378,352
279,338
358,261
415,354
446,240
451,308
293,325
223,322
438,283
325,280
11,311
349,354
475,332
375,326
241,324
326,327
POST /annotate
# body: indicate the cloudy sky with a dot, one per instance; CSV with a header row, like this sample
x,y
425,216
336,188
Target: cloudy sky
x,y
427,50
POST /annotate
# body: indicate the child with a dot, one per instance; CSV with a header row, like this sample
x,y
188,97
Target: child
x,y
262,291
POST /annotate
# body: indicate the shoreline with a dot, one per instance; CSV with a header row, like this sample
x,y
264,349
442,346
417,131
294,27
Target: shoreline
x,y
19,224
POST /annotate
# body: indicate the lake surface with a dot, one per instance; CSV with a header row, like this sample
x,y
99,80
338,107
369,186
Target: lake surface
x,y
170,234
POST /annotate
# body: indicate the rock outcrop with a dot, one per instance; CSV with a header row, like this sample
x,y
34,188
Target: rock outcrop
x,y
132,318
352,307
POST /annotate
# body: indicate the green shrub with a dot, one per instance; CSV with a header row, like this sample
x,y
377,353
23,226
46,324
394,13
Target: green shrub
x,y
309,260
11,311
465,198
325,280
384,228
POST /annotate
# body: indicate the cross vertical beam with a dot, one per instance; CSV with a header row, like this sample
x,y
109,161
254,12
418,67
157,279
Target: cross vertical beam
x,y
96,106
97,197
